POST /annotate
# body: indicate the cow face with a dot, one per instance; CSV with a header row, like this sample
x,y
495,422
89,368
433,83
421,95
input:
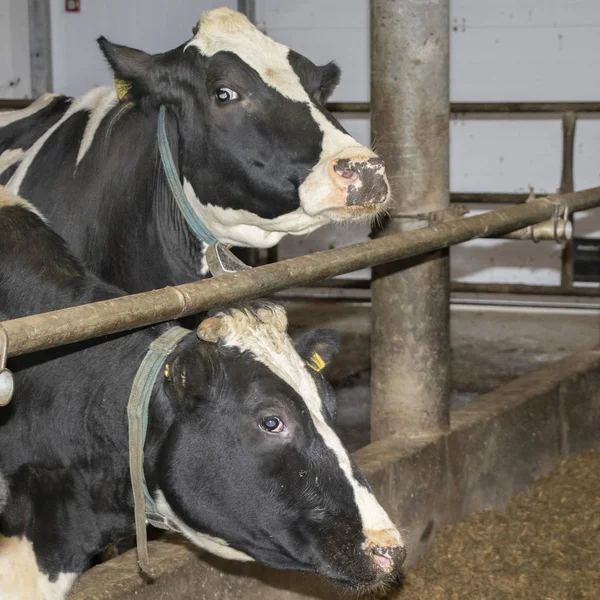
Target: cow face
x,y
251,469
259,154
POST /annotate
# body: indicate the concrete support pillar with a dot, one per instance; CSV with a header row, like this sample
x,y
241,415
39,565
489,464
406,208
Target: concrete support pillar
x,y
410,130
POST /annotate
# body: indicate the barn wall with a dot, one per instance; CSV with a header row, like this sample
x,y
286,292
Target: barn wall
x,y
14,50
513,50
151,25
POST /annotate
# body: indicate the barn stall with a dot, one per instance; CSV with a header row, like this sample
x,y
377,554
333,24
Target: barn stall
x,y
442,446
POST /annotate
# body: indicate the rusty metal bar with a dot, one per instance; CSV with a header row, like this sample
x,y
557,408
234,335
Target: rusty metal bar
x,y
455,108
410,350
519,288
567,184
14,104
57,328
349,107
524,107
358,293
489,198
462,108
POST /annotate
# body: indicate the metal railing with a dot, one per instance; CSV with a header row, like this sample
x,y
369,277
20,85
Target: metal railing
x,y
57,328
568,112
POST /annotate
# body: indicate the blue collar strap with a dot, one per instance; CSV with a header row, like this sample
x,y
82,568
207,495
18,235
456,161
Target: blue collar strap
x,y
145,509
193,221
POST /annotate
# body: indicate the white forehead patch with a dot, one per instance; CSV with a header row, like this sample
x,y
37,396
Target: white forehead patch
x,y
263,333
225,30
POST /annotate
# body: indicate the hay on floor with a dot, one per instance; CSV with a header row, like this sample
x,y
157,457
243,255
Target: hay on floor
x,y
544,546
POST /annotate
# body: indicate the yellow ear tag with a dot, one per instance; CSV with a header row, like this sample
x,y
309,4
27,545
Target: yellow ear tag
x,y
167,370
122,88
316,363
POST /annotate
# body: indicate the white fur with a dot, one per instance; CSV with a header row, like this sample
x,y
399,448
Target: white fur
x,y
86,102
243,228
223,30
56,590
96,115
8,117
20,577
211,544
3,493
266,338
8,199
10,157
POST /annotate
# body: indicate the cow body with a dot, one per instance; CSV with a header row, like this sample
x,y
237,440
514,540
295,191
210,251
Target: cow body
x,y
240,453
256,153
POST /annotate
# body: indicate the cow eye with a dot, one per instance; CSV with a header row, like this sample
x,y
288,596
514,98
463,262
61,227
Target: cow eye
x,y
272,425
225,95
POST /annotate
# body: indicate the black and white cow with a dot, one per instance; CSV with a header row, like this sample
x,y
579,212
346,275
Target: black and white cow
x,y
256,152
240,453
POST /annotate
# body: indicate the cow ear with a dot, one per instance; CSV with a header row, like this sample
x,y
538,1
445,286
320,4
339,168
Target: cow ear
x,y
185,377
330,78
131,68
317,348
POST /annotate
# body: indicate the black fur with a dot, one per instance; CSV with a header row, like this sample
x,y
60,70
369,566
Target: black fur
x,y
283,499
116,210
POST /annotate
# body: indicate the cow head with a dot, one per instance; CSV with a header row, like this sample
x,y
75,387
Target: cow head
x,y
259,154
250,468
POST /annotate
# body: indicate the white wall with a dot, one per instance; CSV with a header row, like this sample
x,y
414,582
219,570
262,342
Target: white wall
x,y
501,50
15,79
150,25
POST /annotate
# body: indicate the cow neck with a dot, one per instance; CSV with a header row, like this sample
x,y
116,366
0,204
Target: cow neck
x,y
194,222
145,509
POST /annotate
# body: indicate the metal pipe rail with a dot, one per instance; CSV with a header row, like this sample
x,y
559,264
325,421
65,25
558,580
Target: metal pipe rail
x,y
460,108
485,107
69,325
522,288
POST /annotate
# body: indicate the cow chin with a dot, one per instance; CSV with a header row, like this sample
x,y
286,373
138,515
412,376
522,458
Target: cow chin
x,y
364,576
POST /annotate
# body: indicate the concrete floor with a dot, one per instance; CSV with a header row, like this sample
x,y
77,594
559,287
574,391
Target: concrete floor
x,y
491,345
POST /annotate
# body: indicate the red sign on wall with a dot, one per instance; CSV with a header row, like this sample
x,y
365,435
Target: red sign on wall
x,y
72,5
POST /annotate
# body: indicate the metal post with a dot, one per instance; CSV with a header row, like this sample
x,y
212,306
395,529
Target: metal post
x,y
410,129
248,7
567,184
40,47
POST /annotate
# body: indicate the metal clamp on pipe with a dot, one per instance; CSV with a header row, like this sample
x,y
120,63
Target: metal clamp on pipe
x,y
7,385
557,230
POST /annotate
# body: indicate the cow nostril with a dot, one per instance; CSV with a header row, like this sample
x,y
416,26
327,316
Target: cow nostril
x,y
388,557
345,172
